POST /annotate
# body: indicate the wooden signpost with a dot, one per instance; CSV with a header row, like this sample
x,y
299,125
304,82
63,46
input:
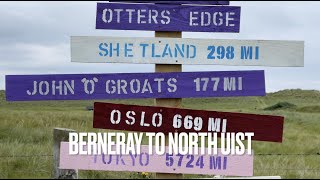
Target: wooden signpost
x,y
186,51
134,85
168,85
167,17
176,102
165,120
232,165
61,135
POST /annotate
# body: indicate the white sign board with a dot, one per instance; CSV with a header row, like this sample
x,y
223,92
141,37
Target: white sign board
x,y
187,51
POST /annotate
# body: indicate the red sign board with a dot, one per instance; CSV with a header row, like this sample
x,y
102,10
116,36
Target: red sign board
x,y
164,119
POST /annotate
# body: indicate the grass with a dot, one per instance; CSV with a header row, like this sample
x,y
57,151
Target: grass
x,y
280,105
26,129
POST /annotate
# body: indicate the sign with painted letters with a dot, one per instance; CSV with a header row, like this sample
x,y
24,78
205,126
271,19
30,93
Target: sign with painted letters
x,y
167,17
232,165
99,49
134,85
166,120
180,2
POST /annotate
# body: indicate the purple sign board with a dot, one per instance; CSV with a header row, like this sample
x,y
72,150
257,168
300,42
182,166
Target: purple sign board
x,y
168,17
134,85
180,2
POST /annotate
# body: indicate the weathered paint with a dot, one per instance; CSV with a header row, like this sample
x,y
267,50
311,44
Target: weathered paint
x,y
99,49
164,119
233,165
134,85
168,17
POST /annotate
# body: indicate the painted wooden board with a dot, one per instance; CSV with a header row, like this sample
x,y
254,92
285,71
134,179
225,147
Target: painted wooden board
x,y
134,85
165,120
167,17
232,165
180,2
97,49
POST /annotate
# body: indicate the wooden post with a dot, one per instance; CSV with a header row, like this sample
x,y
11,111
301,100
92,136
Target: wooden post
x,y
61,135
175,102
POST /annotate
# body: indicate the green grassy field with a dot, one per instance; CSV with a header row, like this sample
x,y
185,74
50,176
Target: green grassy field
x,y
26,133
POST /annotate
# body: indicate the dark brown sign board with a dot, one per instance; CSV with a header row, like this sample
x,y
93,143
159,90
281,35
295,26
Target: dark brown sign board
x,y
166,120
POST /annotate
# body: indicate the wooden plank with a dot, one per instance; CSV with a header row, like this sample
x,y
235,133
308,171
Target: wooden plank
x,y
97,49
134,85
61,135
233,165
179,2
165,102
165,120
167,17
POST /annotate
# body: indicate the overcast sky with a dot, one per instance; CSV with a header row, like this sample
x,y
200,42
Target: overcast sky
x,y
35,39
